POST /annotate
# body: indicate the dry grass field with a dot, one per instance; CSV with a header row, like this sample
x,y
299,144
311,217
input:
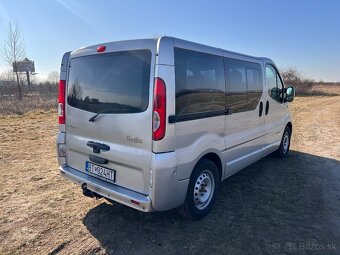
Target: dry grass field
x,y
35,98
274,206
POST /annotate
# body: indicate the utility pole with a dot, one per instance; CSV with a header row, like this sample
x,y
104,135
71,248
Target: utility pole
x,y
28,78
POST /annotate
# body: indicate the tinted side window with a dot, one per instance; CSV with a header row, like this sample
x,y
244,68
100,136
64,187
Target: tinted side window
x,y
280,87
236,91
199,81
274,83
279,83
255,87
244,85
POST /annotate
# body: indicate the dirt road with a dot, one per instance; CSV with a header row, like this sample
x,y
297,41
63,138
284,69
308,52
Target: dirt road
x,y
289,206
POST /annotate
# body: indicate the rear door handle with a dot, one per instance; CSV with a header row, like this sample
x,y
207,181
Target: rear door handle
x,y
267,107
97,147
260,109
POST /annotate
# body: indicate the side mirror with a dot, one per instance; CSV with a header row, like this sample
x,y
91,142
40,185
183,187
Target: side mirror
x,y
275,93
290,94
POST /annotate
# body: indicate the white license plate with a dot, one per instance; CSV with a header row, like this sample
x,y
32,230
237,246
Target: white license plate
x,y
103,172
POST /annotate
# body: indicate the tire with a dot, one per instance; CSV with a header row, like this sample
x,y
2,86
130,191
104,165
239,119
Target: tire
x,y
283,150
202,190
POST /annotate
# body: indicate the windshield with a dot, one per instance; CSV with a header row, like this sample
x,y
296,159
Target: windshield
x,y
112,83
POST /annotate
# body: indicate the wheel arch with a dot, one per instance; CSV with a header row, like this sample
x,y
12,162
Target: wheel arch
x,y
188,209
215,158
290,125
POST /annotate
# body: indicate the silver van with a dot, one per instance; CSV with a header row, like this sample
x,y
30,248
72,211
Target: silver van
x,y
157,124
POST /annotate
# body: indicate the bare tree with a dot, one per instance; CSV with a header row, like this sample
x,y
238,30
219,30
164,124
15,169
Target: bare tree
x,y
14,49
53,77
291,76
7,77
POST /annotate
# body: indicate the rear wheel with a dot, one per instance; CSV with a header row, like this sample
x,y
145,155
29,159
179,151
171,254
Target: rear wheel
x,y
203,186
283,150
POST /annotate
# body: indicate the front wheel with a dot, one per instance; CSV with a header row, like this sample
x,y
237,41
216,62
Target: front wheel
x,y
282,151
203,186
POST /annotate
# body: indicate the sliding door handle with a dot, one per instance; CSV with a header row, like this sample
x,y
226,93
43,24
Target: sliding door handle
x,y
260,109
267,107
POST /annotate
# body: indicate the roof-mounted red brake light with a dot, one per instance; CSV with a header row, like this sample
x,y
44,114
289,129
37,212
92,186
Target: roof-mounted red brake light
x,y
101,48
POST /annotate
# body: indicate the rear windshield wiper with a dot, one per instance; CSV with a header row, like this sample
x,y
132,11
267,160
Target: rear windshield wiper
x,y
94,117
127,109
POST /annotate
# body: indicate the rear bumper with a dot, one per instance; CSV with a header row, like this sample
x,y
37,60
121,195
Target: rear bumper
x,y
108,190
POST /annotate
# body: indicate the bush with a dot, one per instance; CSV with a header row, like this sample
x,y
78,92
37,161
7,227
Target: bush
x,y
42,96
303,86
308,87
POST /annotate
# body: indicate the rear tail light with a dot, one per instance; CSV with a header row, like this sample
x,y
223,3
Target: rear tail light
x,y
61,101
159,109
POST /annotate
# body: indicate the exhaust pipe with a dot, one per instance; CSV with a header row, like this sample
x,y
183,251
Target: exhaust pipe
x,y
89,193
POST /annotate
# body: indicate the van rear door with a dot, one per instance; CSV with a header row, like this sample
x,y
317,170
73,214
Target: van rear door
x,y
108,112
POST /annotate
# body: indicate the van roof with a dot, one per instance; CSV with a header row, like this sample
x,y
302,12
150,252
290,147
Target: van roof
x,y
205,46
166,38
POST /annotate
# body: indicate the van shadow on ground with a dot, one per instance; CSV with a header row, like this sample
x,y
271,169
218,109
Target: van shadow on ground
x,y
272,207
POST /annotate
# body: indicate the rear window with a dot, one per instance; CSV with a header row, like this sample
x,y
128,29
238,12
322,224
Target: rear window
x,y
112,83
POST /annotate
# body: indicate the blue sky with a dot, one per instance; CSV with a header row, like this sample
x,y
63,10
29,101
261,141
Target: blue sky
x,y
301,33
